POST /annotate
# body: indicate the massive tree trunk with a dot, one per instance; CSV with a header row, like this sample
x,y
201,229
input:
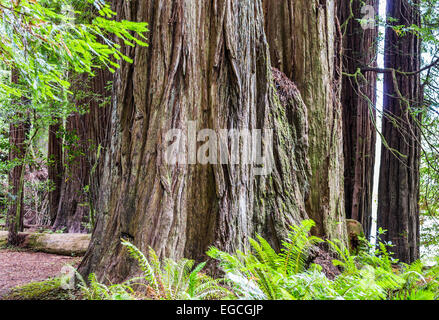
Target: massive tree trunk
x,y
208,62
359,116
55,167
398,198
304,44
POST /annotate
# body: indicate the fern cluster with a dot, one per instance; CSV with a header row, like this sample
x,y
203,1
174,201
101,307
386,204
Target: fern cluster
x,y
176,280
261,273
98,291
370,274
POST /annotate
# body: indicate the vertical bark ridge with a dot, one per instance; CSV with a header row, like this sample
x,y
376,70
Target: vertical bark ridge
x,y
306,31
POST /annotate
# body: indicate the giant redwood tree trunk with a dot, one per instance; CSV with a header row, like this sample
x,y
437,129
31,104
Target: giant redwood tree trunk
x,y
304,44
398,198
359,116
208,62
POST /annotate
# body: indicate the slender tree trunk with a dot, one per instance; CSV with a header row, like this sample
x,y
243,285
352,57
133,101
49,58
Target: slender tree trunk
x,y
304,43
398,198
359,116
207,62
17,141
55,168
18,131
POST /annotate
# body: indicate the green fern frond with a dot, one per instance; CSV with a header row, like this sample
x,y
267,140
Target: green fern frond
x,y
294,250
193,278
264,252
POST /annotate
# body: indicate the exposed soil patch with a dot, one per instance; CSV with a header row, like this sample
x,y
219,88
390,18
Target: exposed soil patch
x,y
319,255
19,268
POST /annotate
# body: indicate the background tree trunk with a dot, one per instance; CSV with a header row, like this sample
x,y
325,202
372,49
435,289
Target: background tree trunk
x,y
18,131
303,39
99,136
85,156
359,117
398,197
55,167
17,141
73,207
208,62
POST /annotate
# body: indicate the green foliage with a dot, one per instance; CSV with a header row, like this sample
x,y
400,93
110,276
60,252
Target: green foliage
x,y
366,276
264,274
175,280
167,280
371,274
98,291
41,42
261,273
46,46
293,252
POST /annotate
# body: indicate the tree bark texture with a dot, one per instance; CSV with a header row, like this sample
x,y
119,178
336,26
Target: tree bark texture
x,y
55,167
304,43
398,198
359,116
73,207
209,62
85,153
99,135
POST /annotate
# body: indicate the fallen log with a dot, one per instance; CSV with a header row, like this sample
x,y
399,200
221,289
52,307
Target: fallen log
x,y
70,244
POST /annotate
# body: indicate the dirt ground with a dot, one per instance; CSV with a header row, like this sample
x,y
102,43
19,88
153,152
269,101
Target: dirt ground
x,y
21,267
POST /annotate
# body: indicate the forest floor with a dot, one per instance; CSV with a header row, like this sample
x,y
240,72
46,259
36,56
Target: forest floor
x,y
18,267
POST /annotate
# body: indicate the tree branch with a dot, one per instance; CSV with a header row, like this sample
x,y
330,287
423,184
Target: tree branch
x,y
391,70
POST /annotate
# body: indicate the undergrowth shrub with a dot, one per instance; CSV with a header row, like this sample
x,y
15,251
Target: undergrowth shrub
x,y
165,280
259,272
370,274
